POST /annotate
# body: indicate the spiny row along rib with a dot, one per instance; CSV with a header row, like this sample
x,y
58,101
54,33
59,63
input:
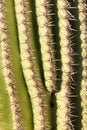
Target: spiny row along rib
x,y
64,113
43,12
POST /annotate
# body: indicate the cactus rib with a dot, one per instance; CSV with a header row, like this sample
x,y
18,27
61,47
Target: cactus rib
x,y
26,40
82,9
63,96
43,12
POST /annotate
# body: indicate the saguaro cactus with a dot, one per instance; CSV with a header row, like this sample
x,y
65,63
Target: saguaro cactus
x,y
32,34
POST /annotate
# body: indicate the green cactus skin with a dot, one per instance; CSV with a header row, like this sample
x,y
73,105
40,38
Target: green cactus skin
x,y
63,96
43,12
39,97
82,7
10,64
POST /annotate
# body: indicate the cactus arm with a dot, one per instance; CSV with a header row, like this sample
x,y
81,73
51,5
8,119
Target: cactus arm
x,y
38,95
43,12
63,96
82,9
11,69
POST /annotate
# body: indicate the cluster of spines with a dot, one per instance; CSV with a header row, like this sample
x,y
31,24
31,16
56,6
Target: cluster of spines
x,y
7,70
82,9
26,40
45,23
64,105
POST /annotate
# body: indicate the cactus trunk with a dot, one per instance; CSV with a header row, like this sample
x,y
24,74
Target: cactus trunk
x,y
39,84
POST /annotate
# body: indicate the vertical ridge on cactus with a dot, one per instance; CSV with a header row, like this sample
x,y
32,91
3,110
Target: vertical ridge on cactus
x,y
63,96
82,9
43,12
40,104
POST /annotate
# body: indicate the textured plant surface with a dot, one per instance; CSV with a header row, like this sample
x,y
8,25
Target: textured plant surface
x,y
43,64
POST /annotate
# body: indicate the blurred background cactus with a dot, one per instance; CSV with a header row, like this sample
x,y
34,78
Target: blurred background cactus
x,y
43,64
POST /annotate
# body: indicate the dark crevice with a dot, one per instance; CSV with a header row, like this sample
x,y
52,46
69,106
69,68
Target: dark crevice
x,y
53,110
76,100
56,38
58,64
